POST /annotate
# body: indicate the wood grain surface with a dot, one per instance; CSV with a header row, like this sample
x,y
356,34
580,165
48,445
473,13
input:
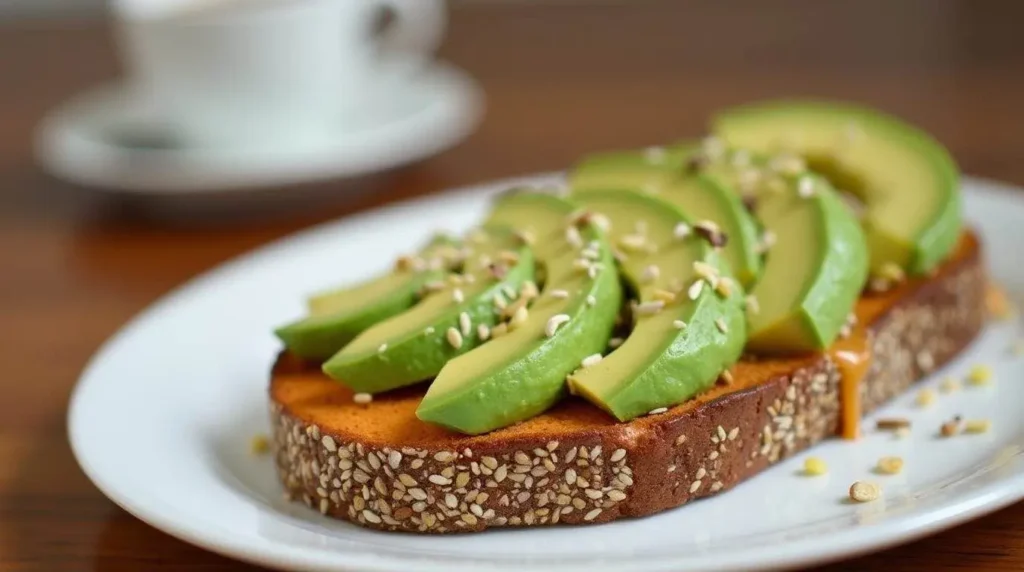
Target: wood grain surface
x,y
562,78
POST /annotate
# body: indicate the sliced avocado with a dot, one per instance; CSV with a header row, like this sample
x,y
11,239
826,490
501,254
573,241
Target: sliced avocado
x,y
522,373
339,315
699,195
414,345
684,335
816,259
907,181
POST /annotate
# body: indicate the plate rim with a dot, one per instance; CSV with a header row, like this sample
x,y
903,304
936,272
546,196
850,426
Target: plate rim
x,y
976,503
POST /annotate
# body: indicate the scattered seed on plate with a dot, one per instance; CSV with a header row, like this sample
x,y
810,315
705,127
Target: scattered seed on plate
x,y
815,466
864,492
362,398
977,426
980,375
592,359
925,397
259,445
454,338
889,465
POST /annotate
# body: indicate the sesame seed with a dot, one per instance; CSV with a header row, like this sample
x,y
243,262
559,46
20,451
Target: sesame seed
x,y
977,426
632,242
483,332
752,305
444,456
553,322
572,236
429,330
979,375
439,480
465,324
805,187
454,338
592,514
814,466
362,398
650,273
499,301
328,442
768,240
682,230
678,324
721,325
657,411
618,455
663,295
695,289
458,296
592,359
591,300
889,465
382,348
694,486
615,342
725,286
864,492
559,294
593,271
519,316
649,308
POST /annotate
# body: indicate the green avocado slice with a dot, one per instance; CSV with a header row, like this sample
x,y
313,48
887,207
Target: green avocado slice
x,y
816,258
689,322
337,316
522,373
907,181
664,172
413,346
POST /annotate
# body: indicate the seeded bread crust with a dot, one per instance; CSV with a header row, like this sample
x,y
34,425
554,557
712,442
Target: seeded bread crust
x,y
574,465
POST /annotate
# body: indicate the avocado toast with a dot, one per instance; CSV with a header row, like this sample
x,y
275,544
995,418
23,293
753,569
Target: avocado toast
x,y
379,462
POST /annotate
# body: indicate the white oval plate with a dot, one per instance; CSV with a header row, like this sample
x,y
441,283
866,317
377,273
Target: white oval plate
x,y
162,419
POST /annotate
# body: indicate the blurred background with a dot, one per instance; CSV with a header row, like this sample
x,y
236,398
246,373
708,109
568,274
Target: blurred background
x,y
94,228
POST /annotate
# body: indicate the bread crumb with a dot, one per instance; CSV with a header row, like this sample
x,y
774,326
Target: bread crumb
x,y
260,444
889,465
950,428
925,398
864,492
814,466
977,426
980,374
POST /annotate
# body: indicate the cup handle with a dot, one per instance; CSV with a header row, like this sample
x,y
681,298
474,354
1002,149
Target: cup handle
x,y
417,29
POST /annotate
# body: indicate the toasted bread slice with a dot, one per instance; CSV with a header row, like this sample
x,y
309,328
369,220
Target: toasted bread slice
x,y
379,466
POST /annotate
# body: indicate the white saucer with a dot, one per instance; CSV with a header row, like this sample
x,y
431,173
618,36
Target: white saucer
x,y
162,419
78,142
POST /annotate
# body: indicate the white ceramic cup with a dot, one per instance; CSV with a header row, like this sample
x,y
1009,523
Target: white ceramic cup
x,y
252,72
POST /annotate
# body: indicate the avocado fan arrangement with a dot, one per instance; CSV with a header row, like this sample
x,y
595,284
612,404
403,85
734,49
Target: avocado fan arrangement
x,y
642,284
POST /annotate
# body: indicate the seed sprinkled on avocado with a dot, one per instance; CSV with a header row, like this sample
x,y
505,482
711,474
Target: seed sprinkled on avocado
x,y
592,359
725,286
428,330
454,338
710,232
787,164
682,230
591,300
572,236
559,294
483,332
499,330
649,308
553,322
767,242
721,325
593,271
663,295
752,304
650,273
601,221
509,292
518,317
458,296
433,286
695,289
713,147
658,411
632,242
526,237
382,348
678,324
706,271
615,342
581,264
805,187
465,324
529,290
499,301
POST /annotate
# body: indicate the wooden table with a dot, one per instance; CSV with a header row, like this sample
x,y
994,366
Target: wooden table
x,y
562,78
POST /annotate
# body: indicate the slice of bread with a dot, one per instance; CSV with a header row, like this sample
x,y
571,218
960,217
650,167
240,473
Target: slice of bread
x,y
379,466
